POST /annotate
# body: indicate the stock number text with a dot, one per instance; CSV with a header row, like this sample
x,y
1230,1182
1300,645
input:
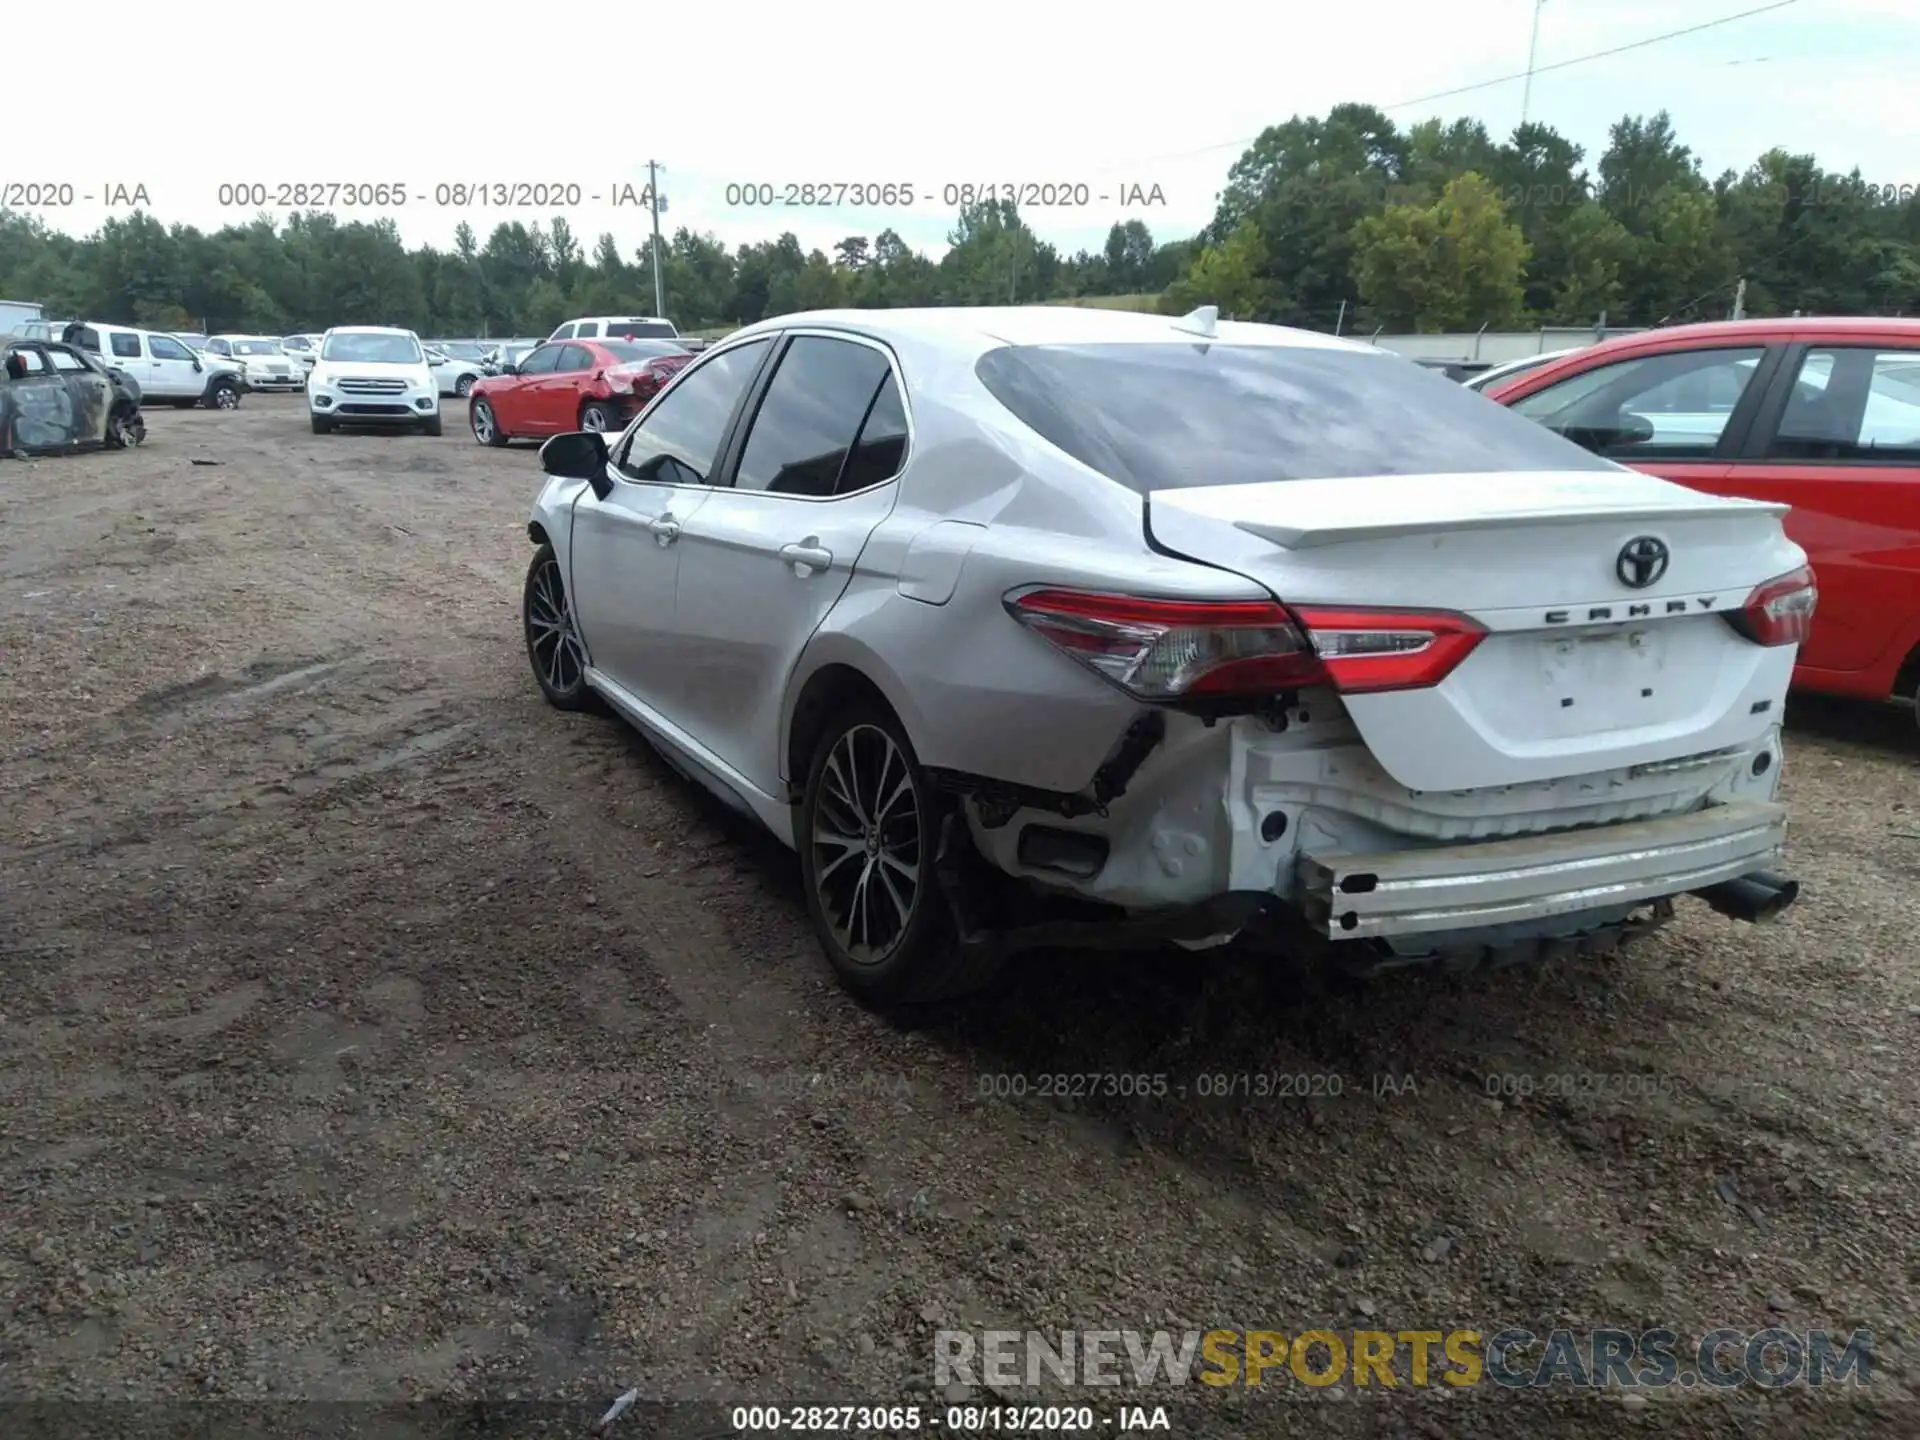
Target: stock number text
x,y
801,194
827,1419
311,194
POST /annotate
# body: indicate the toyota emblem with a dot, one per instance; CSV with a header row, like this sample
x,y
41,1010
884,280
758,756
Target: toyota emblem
x,y
1642,561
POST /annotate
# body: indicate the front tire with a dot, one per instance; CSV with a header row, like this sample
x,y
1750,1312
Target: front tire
x,y
553,646
125,428
322,424
223,395
463,387
867,830
431,427
485,424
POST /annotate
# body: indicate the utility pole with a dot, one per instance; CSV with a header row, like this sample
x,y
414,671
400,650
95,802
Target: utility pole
x,y
654,204
1533,49
1340,320
1740,299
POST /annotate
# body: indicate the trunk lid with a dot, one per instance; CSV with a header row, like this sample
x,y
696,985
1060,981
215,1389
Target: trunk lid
x,y
1580,671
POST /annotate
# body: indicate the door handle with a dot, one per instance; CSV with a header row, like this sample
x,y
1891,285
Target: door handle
x,y
665,528
807,557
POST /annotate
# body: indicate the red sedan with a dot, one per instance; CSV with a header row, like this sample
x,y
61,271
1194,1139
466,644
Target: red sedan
x,y
1822,415
572,385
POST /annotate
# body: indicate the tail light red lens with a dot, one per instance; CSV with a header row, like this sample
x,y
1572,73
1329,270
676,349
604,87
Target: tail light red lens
x,y
1366,649
1175,649
1780,612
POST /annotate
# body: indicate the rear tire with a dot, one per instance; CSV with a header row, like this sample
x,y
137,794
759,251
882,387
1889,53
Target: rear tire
x,y
867,830
553,646
431,427
322,425
596,416
463,387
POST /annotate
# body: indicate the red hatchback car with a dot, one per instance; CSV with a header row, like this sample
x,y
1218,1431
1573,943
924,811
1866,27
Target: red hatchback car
x,y
1822,415
572,385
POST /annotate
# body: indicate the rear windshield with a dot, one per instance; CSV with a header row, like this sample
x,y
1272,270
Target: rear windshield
x,y
640,330
632,350
1164,417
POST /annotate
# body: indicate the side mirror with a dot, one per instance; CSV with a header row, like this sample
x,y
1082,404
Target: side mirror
x,y
581,455
509,369
197,366
1636,430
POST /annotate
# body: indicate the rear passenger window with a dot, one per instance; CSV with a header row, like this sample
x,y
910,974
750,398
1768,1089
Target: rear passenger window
x,y
125,346
811,416
1853,404
882,447
573,357
586,330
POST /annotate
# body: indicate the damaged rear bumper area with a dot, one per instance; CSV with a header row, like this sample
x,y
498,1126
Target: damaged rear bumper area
x,y
1721,853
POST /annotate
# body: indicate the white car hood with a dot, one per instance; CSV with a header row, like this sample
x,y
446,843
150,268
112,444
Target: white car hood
x,y
419,373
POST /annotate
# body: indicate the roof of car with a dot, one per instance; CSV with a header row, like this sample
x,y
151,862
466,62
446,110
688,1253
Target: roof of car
x,y
1758,331
987,327
366,330
1774,327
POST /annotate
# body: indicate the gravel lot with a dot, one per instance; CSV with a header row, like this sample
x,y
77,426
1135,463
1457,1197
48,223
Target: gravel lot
x,y
370,1031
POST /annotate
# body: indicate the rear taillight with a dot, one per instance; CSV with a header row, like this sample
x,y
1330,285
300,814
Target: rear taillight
x,y
1366,650
1176,649
1780,612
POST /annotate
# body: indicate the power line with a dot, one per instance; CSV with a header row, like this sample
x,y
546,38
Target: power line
x,y
1245,141
1596,55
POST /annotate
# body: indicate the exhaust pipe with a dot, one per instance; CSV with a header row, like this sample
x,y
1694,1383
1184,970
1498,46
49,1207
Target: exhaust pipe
x,y
1755,898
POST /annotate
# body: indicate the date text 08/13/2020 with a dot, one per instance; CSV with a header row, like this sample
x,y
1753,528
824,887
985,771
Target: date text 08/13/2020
x,y
321,194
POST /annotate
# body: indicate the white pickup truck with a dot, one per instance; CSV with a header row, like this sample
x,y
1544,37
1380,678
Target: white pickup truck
x,y
163,366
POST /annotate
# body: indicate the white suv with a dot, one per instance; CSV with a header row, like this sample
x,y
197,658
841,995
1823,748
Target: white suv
x,y
372,375
303,348
616,327
261,360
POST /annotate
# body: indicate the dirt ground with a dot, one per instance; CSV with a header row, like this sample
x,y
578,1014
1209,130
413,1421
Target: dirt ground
x,y
369,1031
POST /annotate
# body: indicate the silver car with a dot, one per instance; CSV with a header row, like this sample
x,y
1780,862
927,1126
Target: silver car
x,y
1206,628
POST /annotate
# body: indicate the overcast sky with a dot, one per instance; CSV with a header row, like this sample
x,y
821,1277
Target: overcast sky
x,y
1111,97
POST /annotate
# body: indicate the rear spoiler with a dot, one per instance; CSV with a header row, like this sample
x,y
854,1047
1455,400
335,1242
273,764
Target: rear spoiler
x,y
1311,537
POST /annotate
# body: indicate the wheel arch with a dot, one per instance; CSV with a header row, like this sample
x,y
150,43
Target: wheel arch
x,y
835,675
1906,680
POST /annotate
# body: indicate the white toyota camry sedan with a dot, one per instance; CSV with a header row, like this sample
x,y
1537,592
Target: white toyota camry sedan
x,y
1048,625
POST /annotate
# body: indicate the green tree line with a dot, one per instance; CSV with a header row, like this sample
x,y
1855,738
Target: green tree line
x,y
1345,219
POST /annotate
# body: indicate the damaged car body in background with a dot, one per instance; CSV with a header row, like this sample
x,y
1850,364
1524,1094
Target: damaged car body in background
x,y
55,398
